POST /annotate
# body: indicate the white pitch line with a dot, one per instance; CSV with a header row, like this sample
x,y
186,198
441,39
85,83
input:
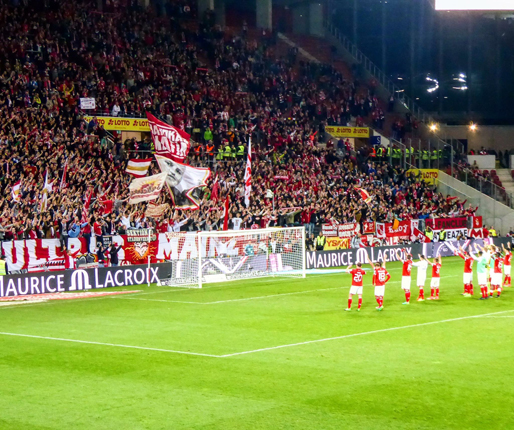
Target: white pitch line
x,y
109,344
360,334
501,316
144,348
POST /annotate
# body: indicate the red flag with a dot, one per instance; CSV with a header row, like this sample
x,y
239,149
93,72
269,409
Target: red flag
x,y
85,208
225,214
169,141
215,190
248,174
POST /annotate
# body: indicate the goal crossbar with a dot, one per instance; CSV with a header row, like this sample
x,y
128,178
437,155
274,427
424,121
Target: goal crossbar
x,y
221,256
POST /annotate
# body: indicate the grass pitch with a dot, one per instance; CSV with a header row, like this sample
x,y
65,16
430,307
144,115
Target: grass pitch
x,y
261,354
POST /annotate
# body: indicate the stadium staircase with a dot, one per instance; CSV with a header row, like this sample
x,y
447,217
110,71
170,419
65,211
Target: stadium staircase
x,y
506,177
493,212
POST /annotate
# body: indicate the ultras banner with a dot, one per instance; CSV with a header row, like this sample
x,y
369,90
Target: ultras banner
x,y
169,141
147,188
82,279
346,257
45,254
183,182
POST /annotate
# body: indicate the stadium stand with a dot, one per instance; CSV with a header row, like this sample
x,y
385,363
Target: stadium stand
x,y
222,88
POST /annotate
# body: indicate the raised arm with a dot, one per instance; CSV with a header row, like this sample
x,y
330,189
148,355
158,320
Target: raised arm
x,y
369,261
399,256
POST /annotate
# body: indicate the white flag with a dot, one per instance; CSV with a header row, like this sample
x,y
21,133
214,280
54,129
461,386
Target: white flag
x,y
184,182
49,186
138,167
16,190
248,174
145,189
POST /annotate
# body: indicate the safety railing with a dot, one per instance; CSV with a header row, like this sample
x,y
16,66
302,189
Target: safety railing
x,y
485,186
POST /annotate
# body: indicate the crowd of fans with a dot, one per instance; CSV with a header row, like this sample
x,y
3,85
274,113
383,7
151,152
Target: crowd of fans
x,y
220,87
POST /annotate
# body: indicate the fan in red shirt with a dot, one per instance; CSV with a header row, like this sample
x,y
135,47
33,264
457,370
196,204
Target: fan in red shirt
x,y
436,278
507,264
468,272
380,277
356,288
407,267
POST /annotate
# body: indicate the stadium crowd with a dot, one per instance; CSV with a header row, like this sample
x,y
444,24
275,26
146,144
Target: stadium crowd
x,y
222,88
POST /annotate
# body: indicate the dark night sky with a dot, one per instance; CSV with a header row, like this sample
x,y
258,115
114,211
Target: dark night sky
x,y
385,31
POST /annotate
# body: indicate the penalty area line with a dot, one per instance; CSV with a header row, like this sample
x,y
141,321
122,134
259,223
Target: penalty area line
x,y
116,345
362,334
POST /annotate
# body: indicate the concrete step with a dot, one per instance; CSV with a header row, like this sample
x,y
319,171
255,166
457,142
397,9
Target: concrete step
x,y
505,176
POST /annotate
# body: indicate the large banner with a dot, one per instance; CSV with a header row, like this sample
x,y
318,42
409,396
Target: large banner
x,y
338,131
398,229
147,188
46,254
346,257
329,230
120,124
438,224
82,279
169,141
183,182
430,176
348,230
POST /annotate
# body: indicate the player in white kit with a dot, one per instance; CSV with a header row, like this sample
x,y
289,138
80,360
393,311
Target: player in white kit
x,y
422,265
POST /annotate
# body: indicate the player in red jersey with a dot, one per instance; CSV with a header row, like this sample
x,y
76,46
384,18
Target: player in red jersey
x,y
468,272
507,264
496,276
356,288
407,267
380,277
436,278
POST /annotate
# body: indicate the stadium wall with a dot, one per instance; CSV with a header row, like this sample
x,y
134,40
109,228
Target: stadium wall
x,y
347,257
498,137
492,211
82,279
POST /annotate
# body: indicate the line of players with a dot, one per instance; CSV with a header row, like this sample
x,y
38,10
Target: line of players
x,y
488,282
381,276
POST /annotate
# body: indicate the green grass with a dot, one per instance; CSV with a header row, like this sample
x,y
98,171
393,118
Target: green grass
x,y
450,375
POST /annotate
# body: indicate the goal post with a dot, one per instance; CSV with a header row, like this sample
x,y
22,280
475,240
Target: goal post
x,y
221,256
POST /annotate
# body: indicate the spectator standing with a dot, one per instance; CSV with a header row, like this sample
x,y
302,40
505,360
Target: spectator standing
x,y
113,251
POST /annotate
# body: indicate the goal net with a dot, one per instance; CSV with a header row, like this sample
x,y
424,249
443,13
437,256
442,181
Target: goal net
x,y
220,256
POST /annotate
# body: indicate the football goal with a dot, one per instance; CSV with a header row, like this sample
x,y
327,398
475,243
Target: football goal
x,y
220,256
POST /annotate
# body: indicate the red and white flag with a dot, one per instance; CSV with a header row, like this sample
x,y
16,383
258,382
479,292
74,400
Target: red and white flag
x,y
63,179
381,230
183,181
138,167
169,141
364,195
225,213
248,174
16,190
418,235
